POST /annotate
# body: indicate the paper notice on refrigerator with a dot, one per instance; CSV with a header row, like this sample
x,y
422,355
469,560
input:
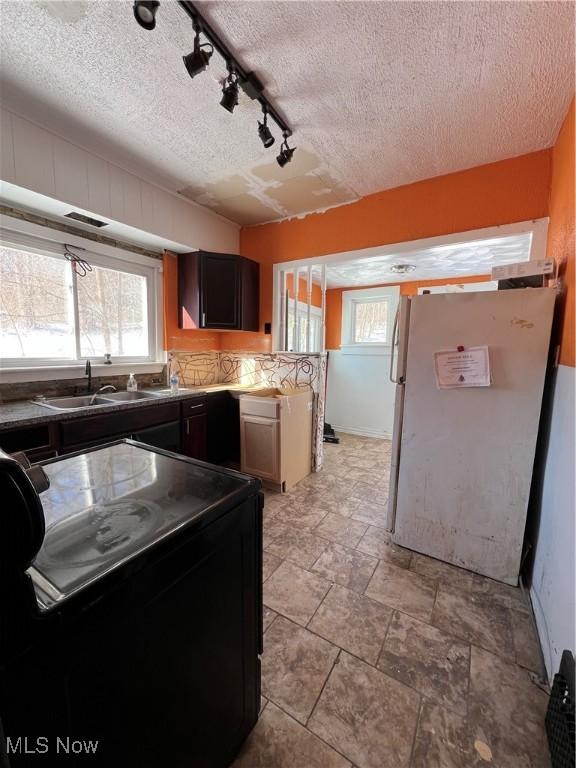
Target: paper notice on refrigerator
x,y
469,368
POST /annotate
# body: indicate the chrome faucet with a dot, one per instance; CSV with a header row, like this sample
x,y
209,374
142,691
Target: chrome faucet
x,y
102,389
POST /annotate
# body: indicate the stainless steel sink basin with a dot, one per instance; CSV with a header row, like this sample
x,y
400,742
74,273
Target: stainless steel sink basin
x,y
124,397
73,403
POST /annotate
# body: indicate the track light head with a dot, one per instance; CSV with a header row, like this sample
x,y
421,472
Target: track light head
x,y
264,132
286,152
229,98
145,13
197,61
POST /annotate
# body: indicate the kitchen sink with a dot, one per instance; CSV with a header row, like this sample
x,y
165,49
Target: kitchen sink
x,y
123,397
72,403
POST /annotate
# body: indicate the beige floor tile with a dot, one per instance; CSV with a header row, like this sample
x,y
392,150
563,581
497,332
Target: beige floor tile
x,y
278,741
445,740
269,564
294,592
299,516
371,513
295,666
353,622
504,594
427,659
324,501
377,542
368,717
268,616
402,589
341,529
345,566
300,547
475,619
375,494
526,645
507,709
272,529
443,573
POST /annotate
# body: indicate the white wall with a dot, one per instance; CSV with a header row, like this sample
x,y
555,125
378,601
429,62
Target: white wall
x,y
38,160
552,590
360,396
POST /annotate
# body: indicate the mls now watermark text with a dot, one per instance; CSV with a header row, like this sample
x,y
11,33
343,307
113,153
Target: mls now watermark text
x,y
42,745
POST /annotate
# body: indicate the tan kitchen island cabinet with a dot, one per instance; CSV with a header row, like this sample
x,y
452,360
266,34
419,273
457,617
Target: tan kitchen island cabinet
x,y
276,435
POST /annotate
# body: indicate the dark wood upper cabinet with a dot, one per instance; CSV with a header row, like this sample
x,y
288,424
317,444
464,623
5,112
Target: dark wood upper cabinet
x,y
219,291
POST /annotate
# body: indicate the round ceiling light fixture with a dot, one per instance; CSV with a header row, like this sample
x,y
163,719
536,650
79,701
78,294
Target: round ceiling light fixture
x,y
402,269
145,13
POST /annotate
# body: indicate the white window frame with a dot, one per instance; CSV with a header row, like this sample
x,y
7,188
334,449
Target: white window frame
x,y
36,239
389,293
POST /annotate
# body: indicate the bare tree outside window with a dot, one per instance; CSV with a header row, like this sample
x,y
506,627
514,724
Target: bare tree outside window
x,y
371,321
37,309
112,314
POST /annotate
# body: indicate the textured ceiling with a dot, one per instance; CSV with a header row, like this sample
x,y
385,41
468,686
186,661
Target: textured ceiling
x,y
379,94
460,260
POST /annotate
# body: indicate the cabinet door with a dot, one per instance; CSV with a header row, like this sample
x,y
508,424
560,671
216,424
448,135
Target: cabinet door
x,y
219,291
250,306
260,447
220,427
194,437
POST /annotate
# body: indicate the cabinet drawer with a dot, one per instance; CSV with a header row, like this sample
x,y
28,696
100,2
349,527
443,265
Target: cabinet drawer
x,y
265,407
91,429
193,407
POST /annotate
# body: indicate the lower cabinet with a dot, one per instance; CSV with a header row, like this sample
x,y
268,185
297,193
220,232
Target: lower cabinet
x,y
260,441
194,436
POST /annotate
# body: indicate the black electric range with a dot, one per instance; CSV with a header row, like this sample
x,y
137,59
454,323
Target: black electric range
x,y
137,624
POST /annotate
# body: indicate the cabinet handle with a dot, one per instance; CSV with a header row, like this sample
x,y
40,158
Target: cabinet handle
x,y
192,407
187,427
203,319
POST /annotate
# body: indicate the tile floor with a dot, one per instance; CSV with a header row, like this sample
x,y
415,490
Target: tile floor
x,y
377,657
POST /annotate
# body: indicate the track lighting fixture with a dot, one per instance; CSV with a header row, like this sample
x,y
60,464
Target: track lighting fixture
x,y
286,152
145,13
229,98
264,132
197,61
238,76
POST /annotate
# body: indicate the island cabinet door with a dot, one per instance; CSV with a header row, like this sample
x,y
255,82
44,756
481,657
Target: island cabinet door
x,y
260,447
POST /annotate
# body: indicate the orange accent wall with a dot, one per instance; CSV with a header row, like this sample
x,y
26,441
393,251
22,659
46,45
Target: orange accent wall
x,y
334,301
561,231
508,191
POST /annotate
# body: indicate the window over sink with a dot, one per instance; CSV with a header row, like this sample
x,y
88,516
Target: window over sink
x,y
54,315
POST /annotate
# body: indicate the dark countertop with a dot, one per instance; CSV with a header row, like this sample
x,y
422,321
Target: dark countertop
x,y
24,413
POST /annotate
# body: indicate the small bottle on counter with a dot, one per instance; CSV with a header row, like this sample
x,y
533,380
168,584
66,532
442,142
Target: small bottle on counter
x,y
132,385
174,382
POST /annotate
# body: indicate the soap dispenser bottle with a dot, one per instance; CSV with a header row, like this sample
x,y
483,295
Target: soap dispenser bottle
x,y
132,385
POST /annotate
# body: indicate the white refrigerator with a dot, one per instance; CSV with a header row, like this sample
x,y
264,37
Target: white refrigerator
x,y
462,457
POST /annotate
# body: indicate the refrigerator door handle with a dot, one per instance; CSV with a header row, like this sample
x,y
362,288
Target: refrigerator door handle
x,y
393,379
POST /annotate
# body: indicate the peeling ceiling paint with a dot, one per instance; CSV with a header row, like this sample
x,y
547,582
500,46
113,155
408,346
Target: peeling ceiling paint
x,y
379,94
